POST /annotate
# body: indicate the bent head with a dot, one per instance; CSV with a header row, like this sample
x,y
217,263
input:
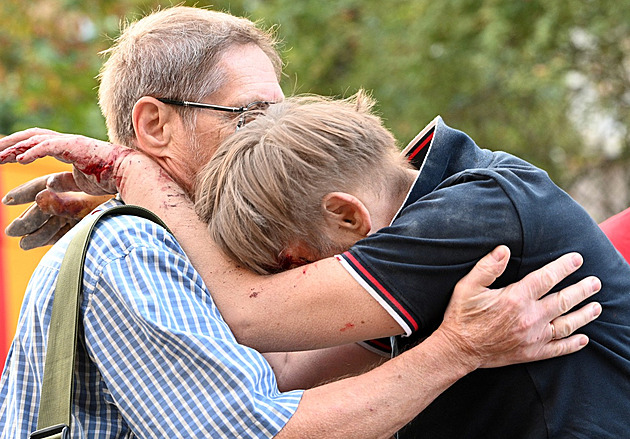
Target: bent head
x,y
300,182
187,54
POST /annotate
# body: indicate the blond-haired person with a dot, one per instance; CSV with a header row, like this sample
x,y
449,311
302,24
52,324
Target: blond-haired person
x,y
315,177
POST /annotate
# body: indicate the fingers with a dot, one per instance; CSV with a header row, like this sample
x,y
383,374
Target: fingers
x,y
73,205
95,163
43,235
36,146
9,141
538,283
487,269
561,327
62,182
25,193
558,303
561,347
563,342
10,154
29,221
54,214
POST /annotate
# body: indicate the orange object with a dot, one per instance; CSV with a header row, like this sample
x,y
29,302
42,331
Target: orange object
x,y
16,265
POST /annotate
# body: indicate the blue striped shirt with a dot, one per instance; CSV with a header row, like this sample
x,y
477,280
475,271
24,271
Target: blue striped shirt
x,y
155,357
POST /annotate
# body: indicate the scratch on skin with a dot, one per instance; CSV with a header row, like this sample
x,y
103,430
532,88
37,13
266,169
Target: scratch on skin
x,y
348,326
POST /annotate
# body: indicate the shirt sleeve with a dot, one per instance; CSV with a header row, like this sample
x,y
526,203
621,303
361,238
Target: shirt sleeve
x,y
167,359
412,266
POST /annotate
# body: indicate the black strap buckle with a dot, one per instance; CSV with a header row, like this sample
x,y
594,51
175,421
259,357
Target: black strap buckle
x,y
61,431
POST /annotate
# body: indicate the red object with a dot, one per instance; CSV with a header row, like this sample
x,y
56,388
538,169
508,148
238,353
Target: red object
x,y
4,294
617,228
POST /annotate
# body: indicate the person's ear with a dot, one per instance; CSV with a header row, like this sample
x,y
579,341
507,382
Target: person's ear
x,y
153,124
346,212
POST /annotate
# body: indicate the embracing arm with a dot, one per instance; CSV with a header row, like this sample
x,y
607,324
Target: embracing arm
x,y
481,328
308,369
380,402
476,332
265,312
338,308
339,311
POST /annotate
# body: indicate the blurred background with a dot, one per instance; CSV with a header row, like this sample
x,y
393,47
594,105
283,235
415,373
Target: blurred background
x,y
545,80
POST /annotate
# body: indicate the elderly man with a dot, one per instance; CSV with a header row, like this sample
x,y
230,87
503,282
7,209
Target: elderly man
x,y
157,358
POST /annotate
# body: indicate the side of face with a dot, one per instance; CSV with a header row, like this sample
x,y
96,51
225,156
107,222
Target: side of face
x,y
346,220
250,77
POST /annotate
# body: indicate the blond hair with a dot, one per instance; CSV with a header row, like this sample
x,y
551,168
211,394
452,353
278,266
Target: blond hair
x,y
263,189
173,53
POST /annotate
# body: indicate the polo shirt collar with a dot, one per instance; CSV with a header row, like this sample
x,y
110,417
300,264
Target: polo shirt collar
x,y
439,152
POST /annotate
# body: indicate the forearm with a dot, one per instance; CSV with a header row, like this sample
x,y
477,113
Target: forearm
x,y
308,369
264,312
380,402
321,304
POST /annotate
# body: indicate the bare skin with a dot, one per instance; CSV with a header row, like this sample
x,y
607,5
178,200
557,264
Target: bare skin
x,y
481,327
233,287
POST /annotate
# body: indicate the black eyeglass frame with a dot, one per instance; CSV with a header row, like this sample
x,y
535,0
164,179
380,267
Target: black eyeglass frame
x,y
239,110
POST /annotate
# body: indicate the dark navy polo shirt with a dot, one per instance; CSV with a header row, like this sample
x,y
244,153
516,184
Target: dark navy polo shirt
x,y
465,202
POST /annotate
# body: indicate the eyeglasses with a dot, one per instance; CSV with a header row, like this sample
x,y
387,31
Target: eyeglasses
x,y
243,111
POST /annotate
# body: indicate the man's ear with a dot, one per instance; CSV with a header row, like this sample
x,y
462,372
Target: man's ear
x,y
153,125
346,212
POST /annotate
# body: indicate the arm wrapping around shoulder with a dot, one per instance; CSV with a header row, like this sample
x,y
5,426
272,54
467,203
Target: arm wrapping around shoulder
x,y
412,266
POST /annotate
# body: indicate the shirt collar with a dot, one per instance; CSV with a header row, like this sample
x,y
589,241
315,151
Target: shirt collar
x,y
439,152
416,151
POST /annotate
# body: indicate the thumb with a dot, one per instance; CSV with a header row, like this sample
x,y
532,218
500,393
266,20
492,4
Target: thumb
x,y
488,268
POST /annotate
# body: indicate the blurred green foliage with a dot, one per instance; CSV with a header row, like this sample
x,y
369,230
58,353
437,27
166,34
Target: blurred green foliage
x,y
534,77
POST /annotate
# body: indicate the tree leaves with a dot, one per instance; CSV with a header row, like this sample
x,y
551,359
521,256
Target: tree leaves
x,y
511,74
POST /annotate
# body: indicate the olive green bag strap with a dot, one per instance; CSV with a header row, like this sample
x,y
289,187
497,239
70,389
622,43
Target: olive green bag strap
x,y
55,406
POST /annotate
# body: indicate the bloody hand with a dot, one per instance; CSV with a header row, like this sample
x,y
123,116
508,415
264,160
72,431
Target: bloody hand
x,y
95,162
51,214
57,209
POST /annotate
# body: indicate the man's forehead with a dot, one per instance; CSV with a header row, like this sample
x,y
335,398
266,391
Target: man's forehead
x,y
250,77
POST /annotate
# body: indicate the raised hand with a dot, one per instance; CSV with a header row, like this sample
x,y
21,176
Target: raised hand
x,y
95,162
517,324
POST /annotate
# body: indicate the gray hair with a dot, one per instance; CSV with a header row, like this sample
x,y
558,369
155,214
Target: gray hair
x,y
172,53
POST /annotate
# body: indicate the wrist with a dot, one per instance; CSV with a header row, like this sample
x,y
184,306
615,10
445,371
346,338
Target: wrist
x,y
464,356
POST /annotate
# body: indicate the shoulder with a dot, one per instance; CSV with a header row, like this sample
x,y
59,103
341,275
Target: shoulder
x,y
470,202
127,252
135,264
116,235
